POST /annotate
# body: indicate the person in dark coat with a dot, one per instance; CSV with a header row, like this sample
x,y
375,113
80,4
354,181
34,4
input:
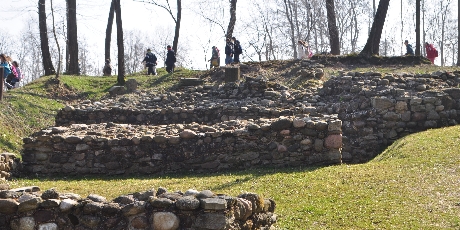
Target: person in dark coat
x,y
150,61
409,50
170,59
229,51
237,50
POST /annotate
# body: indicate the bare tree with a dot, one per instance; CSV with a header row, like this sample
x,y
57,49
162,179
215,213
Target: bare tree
x,y
177,18
72,37
232,22
417,28
288,13
57,42
458,32
373,42
121,49
108,31
46,56
333,32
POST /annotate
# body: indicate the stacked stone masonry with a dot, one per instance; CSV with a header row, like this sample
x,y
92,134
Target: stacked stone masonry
x,y
236,125
29,209
8,164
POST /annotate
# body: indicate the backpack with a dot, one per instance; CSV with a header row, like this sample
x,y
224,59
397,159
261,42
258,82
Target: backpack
x,y
435,52
238,49
13,71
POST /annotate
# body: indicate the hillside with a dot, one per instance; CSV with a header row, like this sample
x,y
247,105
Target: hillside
x,y
411,185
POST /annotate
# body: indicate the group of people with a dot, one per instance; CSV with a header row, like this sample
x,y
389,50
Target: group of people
x,y
150,60
233,50
431,52
11,71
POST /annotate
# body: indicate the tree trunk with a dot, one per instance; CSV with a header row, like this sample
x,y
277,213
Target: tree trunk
x,y
121,50
458,33
46,56
108,31
231,24
178,19
417,28
333,31
57,42
373,42
72,36
287,6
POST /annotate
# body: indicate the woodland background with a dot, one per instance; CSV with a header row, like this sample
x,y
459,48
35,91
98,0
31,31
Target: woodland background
x,y
267,29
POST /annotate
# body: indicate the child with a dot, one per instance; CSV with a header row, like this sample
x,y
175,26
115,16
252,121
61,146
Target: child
x,y
15,78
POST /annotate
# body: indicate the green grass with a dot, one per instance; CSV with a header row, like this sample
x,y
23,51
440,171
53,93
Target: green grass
x,y
412,185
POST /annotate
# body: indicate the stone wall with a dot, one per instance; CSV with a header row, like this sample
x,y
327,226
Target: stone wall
x,y
111,148
9,164
29,209
377,109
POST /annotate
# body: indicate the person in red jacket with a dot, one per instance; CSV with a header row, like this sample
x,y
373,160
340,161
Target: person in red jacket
x,y
431,52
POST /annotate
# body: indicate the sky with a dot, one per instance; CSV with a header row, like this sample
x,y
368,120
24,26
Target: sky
x,y
92,22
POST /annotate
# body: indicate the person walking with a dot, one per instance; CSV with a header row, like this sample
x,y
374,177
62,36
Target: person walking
x,y
150,61
237,50
107,70
431,52
170,59
229,51
409,50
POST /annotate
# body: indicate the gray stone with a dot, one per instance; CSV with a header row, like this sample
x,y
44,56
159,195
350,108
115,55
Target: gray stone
x,y
97,198
205,194
381,103
48,226
165,221
67,204
9,206
160,202
282,123
134,208
187,203
30,204
210,221
213,204
24,223
50,194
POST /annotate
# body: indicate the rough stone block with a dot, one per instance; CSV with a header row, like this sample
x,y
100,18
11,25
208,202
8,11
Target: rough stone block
x,y
232,73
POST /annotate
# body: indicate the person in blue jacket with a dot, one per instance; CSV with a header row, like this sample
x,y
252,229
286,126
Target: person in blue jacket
x,y
229,51
409,50
150,61
6,66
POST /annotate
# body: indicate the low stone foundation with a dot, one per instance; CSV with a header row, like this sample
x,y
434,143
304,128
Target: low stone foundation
x,y
111,148
8,164
28,208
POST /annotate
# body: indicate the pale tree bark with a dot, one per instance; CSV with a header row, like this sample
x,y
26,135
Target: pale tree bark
x,y
121,49
108,31
231,24
332,25
46,56
72,36
373,42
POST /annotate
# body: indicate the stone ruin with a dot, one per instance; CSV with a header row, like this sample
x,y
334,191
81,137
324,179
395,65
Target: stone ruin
x,y
252,122
29,208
